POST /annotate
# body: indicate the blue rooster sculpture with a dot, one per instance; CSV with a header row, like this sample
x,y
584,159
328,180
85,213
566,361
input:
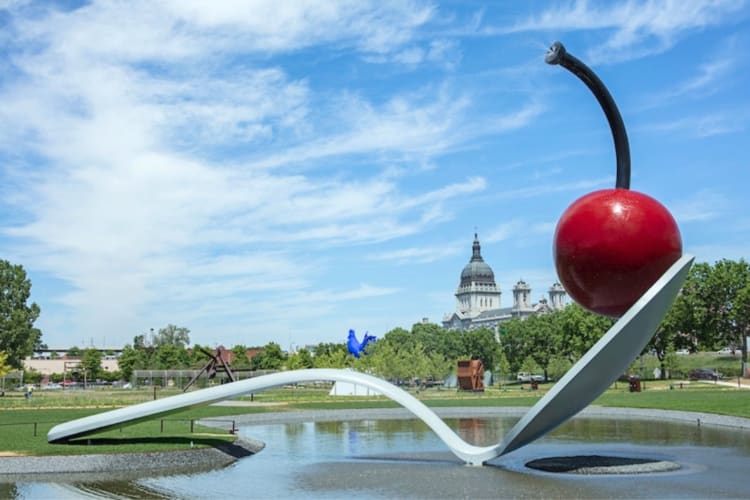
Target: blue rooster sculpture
x,y
354,346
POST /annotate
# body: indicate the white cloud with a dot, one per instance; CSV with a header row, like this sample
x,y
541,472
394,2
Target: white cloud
x,y
537,190
422,255
705,205
116,117
178,29
707,80
633,28
698,126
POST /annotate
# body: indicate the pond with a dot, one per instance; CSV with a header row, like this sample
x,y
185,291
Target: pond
x,y
402,458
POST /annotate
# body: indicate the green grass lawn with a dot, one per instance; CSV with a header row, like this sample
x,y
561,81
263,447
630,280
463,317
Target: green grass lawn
x,y
728,365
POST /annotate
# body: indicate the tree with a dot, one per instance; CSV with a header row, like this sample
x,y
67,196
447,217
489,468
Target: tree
x,y
74,352
91,362
170,356
300,360
558,366
481,344
272,358
332,355
239,351
4,367
503,367
530,365
513,343
17,333
130,359
172,335
578,329
713,308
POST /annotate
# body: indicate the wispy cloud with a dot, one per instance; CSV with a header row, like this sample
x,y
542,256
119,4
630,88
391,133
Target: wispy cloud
x,y
705,81
418,255
121,120
705,205
534,191
698,126
630,29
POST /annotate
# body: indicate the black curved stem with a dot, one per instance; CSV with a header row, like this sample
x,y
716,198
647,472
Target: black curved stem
x,y
558,55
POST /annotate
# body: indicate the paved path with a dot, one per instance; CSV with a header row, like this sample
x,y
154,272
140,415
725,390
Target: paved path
x,y
737,384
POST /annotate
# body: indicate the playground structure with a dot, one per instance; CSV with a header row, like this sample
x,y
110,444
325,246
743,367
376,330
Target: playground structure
x,y
584,382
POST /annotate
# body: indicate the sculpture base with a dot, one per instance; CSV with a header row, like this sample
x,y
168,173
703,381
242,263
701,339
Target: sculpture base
x,y
597,464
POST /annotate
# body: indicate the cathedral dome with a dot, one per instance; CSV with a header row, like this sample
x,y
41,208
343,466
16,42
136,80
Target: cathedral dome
x,y
477,270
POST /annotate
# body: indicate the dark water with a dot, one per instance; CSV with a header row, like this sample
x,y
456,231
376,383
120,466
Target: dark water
x,y
404,459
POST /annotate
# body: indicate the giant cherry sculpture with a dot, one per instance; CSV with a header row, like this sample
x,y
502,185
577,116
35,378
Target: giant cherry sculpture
x,y
611,245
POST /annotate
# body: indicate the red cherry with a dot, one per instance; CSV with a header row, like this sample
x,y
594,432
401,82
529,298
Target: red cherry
x,y
611,245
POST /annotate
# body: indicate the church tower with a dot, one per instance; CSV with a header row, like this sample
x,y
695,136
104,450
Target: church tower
x,y
521,298
557,296
477,291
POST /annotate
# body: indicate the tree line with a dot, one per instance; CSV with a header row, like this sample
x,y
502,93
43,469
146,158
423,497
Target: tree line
x,y
712,311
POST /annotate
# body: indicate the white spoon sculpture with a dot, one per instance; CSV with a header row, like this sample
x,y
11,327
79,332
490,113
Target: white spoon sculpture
x,y
583,383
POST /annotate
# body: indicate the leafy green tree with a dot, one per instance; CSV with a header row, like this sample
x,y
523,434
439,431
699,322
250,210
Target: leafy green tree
x,y
240,360
300,360
514,344
578,330
170,356
558,366
196,357
713,308
74,352
272,358
17,333
670,365
332,355
481,344
541,332
4,367
502,366
741,317
172,335
130,359
530,365
91,363
333,359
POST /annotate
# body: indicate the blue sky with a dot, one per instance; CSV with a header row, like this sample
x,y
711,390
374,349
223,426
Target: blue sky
x,y
284,171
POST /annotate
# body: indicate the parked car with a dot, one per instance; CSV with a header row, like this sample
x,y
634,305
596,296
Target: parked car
x,y
52,386
528,377
704,374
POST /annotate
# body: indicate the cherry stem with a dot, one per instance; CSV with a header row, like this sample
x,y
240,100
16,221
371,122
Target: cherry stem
x,y
558,55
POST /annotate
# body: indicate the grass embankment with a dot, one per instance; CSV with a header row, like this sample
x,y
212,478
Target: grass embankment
x,y
727,364
173,432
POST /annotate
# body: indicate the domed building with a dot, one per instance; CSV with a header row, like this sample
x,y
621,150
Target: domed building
x,y
478,297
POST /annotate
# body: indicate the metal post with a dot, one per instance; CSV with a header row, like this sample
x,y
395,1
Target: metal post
x,y
191,425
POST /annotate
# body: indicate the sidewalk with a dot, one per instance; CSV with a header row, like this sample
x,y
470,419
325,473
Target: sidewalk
x,y
740,383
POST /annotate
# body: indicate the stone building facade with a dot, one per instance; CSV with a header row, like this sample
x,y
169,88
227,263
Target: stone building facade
x,y
478,298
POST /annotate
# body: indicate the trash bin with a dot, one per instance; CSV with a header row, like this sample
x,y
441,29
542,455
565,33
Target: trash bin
x,y
534,385
635,384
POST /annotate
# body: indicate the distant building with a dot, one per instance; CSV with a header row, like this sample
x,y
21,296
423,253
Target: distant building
x,y
478,297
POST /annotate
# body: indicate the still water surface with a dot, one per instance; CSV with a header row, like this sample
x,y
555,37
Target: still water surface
x,y
404,459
